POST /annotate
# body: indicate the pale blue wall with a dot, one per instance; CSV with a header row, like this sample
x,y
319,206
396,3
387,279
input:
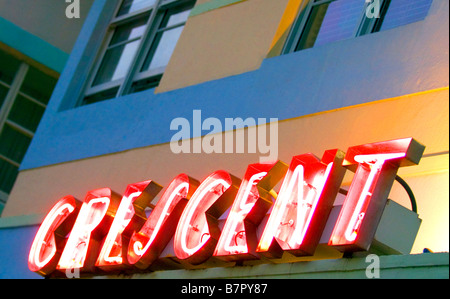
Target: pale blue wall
x,y
15,244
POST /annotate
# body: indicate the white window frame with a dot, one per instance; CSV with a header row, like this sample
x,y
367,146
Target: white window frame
x,y
148,37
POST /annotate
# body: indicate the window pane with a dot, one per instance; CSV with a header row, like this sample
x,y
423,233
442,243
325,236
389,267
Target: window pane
x,y
13,144
129,31
120,54
402,12
116,63
3,93
166,39
341,21
312,27
8,67
26,113
8,174
146,84
101,96
129,6
162,49
38,85
177,18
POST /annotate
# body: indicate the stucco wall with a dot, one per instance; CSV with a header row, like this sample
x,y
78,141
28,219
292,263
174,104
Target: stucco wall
x,y
421,116
46,19
350,72
223,42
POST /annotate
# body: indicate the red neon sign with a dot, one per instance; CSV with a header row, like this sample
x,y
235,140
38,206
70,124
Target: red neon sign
x,y
249,208
147,244
197,231
108,232
308,190
377,166
111,254
81,247
48,244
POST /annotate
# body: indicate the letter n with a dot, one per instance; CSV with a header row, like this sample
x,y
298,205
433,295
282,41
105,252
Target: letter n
x,y
303,205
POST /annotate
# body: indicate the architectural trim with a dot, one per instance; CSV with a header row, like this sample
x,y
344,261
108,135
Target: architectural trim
x,y
212,5
32,46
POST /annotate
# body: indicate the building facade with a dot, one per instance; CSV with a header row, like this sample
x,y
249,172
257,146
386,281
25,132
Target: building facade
x,y
148,84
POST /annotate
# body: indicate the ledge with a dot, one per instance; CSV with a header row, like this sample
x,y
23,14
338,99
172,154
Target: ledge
x,y
20,221
416,266
32,46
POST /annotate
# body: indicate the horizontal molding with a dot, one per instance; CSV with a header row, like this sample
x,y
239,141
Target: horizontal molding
x,y
427,265
20,221
32,46
212,5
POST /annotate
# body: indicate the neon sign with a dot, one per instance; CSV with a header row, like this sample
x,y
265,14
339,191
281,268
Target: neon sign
x,y
107,232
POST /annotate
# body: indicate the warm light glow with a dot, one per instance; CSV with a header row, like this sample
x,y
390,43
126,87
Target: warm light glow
x,y
192,231
111,252
298,199
188,230
374,163
91,214
234,229
44,247
106,226
378,164
179,192
158,224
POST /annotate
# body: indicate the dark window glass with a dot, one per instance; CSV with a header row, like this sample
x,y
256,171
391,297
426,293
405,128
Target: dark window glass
x,y
312,27
7,176
38,85
129,6
402,12
8,67
340,22
330,21
101,96
13,144
26,113
3,92
146,84
121,51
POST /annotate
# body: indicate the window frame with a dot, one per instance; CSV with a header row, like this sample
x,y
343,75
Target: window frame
x,y
5,109
300,23
156,13
12,96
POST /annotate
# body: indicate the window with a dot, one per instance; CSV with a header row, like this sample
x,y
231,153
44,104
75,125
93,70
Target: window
x,y
326,21
142,37
24,94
